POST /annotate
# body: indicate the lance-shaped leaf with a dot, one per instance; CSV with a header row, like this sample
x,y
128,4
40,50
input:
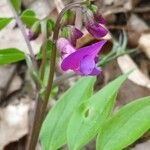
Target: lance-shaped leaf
x,y
10,55
89,117
16,4
126,126
29,18
4,22
53,132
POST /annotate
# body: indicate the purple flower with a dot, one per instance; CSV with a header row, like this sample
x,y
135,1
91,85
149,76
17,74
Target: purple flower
x,y
65,47
99,18
75,34
94,25
30,35
82,60
72,34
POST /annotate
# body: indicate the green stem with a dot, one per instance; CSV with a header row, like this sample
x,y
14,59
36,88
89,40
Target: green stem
x,y
43,49
42,105
101,63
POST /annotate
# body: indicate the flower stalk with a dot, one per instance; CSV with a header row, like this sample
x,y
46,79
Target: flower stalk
x,y
41,106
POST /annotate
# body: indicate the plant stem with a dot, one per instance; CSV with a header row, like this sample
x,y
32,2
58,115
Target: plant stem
x,y
42,105
43,49
22,28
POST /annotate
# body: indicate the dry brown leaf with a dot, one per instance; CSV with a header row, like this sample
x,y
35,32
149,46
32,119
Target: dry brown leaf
x,y
142,146
136,23
6,74
13,122
42,7
127,64
144,44
59,5
5,11
15,84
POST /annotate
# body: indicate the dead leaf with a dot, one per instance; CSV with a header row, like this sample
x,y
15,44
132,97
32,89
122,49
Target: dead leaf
x,y
142,146
127,64
137,23
5,11
13,122
59,5
15,84
144,44
6,74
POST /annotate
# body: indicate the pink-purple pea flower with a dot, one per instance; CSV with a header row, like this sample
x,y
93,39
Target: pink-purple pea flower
x,y
95,25
74,35
82,60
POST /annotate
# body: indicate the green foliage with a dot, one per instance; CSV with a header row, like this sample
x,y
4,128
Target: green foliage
x,y
17,5
87,120
4,22
69,18
49,47
53,132
35,30
50,26
65,32
13,55
29,18
93,8
10,55
126,126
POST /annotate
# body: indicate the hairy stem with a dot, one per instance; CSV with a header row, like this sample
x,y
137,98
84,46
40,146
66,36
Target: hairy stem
x,y
42,105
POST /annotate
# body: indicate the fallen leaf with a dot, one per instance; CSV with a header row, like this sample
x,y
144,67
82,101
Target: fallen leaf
x,y
13,122
127,64
144,44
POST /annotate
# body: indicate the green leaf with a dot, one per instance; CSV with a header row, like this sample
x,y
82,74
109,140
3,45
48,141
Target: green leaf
x,y
89,117
4,22
53,132
29,18
69,17
50,26
17,5
49,47
126,126
10,55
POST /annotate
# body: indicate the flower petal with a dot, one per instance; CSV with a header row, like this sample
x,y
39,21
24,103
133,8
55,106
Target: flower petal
x,y
76,34
65,47
87,65
99,19
96,29
96,71
74,59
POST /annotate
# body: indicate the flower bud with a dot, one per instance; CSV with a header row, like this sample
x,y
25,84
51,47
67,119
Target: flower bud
x,y
69,18
34,31
72,34
50,27
93,25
